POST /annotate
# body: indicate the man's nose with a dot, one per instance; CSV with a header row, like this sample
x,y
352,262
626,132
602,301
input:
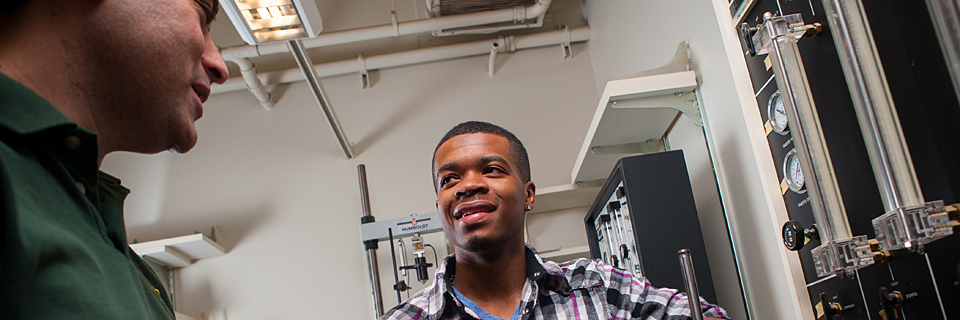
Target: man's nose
x,y
213,63
471,184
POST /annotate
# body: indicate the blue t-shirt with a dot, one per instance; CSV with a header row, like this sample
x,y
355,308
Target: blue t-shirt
x,y
483,314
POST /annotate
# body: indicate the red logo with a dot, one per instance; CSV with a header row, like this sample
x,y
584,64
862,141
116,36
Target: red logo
x,y
413,221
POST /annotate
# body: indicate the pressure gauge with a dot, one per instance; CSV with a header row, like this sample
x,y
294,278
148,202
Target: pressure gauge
x,y
792,172
776,114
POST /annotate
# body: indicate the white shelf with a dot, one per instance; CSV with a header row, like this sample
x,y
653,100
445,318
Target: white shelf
x,y
563,197
567,254
180,251
617,126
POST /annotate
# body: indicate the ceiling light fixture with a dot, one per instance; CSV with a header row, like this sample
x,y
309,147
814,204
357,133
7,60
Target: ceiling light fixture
x,y
260,21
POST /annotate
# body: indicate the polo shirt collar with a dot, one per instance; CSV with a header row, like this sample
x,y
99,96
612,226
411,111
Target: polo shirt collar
x,y
26,112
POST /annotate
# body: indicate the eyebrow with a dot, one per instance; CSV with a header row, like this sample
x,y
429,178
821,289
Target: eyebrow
x,y
483,159
447,166
492,158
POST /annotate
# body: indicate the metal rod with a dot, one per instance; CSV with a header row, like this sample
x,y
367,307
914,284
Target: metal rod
x,y
393,255
403,262
364,192
372,264
310,75
690,282
375,281
886,145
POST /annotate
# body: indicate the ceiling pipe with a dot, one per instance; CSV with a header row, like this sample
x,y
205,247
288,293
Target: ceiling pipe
x,y
249,72
517,14
410,57
240,55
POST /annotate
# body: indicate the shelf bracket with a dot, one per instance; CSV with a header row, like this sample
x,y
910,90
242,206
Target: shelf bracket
x,y
591,183
648,146
683,101
364,73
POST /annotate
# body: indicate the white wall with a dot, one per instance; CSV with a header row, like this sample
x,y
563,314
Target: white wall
x,y
287,201
632,36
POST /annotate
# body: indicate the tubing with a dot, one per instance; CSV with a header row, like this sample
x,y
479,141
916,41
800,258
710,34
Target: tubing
x,y
409,57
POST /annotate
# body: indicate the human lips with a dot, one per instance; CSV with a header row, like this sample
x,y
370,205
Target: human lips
x,y
473,207
202,91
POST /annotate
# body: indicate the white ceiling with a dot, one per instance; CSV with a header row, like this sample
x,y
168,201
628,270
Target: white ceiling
x,y
344,15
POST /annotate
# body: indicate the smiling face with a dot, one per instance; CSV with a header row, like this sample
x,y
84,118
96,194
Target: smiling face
x,y
481,198
152,65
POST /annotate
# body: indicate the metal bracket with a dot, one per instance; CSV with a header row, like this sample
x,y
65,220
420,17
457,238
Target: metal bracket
x,y
683,101
648,146
565,44
492,62
396,26
591,183
364,73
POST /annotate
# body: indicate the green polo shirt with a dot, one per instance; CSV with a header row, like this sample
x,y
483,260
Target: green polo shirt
x,y
63,248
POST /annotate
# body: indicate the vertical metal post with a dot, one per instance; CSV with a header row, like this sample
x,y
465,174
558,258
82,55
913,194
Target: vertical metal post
x,y
370,245
393,255
690,282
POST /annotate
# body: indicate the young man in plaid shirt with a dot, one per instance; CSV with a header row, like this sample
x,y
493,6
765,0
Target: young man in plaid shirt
x,y
482,177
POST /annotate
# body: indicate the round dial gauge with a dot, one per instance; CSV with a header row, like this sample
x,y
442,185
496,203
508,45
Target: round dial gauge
x,y
776,114
792,172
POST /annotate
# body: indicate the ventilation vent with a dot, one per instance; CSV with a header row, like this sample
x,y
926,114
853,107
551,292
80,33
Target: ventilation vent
x,y
451,7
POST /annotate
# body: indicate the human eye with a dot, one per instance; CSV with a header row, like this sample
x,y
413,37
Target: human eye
x,y
493,170
445,180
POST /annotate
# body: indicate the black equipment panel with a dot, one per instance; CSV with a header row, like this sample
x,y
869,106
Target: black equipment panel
x,y
663,215
928,111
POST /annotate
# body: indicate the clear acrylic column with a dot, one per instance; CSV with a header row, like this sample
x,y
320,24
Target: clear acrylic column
x,y
945,15
840,253
907,222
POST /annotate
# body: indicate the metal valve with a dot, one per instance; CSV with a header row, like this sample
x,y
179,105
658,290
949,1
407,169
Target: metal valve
x,y
828,308
890,301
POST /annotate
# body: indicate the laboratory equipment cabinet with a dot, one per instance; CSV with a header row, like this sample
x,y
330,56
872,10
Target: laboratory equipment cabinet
x,y
859,107
645,213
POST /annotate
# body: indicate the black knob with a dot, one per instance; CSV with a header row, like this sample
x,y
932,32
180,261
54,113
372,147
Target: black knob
x,y
793,237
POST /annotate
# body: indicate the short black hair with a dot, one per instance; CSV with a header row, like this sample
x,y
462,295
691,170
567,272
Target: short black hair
x,y
516,147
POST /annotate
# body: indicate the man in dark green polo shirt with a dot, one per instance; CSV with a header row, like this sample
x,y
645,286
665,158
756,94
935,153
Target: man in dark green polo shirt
x,y
79,80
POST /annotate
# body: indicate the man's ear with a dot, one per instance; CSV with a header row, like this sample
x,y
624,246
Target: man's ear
x,y
530,193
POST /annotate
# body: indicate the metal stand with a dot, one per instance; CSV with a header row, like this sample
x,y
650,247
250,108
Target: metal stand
x,y
690,282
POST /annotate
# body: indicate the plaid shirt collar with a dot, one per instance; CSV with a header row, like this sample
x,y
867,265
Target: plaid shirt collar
x,y
545,274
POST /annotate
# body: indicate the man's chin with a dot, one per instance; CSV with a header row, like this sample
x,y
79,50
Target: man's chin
x,y
183,146
481,244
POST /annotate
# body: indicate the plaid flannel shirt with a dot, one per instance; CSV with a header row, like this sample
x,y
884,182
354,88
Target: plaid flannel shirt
x,y
578,289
